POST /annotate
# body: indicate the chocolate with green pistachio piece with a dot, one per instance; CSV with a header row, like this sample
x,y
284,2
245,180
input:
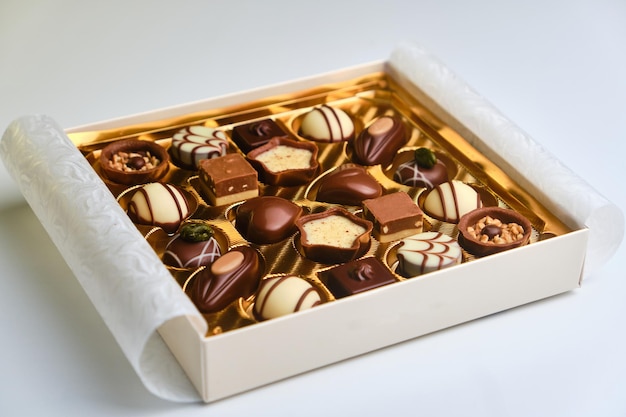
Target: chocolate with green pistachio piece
x,y
425,158
196,232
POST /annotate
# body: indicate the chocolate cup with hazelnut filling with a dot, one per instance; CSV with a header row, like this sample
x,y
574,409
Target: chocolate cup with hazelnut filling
x,y
134,174
478,248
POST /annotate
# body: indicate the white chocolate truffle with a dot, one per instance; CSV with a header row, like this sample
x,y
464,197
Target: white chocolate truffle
x,y
159,204
279,296
327,124
427,252
192,144
450,200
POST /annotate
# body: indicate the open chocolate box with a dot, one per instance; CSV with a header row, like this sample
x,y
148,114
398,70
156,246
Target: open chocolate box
x,y
233,349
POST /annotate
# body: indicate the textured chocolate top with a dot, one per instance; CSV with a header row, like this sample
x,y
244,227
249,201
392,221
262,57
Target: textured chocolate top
x,y
379,143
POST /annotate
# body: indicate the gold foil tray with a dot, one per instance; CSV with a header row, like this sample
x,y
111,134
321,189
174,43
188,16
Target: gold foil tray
x,y
365,99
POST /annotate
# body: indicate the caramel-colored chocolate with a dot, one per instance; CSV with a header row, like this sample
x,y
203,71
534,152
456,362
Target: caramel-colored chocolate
x,y
235,274
356,277
228,179
394,216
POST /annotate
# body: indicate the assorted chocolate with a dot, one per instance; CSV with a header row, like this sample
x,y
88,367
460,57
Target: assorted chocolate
x,y
278,215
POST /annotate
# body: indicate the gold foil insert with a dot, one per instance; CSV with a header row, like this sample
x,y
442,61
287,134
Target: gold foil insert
x,y
365,99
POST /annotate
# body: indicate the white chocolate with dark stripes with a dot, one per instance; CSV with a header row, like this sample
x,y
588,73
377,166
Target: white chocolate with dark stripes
x,y
327,124
450,200
427,252
195,143
159,204
282,295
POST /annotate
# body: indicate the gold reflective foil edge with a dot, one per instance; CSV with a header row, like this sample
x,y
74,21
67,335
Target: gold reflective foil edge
x,y
365,98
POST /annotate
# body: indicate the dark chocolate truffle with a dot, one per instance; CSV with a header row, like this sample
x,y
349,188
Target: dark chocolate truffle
x,y
424,170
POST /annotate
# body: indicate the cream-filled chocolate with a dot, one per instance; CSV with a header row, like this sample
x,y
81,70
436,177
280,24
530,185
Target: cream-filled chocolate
x,y
334,236
282,295
285,162
235,274
195,143
327,124
159,204
379,142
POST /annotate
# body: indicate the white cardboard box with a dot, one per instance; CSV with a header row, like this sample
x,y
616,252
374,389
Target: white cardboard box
x,y
242,359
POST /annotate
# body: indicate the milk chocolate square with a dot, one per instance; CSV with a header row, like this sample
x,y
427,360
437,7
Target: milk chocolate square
x,y
356,277
395,216
228,179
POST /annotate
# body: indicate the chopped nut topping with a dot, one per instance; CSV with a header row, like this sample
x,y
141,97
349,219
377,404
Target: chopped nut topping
x,y
490,230
133,161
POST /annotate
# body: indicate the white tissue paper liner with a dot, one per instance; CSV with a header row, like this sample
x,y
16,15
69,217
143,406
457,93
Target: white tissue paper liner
x,y
538,171
134,293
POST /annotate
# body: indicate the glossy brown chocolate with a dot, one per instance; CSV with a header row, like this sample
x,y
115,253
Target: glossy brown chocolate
x,y
379,142
252,135
349,184
356,277
267,219
235,274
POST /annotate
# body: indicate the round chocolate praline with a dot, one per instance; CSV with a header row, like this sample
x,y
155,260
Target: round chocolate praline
x,y
424,170
193,247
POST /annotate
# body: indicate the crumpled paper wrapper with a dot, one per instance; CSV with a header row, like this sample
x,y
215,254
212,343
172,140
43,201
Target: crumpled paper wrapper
x,y
134,293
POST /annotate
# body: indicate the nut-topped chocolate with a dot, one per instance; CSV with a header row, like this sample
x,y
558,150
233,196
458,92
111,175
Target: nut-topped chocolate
x,y
285,162
252,135
424,170
349,184
235,274
133,161
267,219
379,142
490,230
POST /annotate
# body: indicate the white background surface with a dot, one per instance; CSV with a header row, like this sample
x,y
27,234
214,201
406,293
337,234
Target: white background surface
x,y
558,69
